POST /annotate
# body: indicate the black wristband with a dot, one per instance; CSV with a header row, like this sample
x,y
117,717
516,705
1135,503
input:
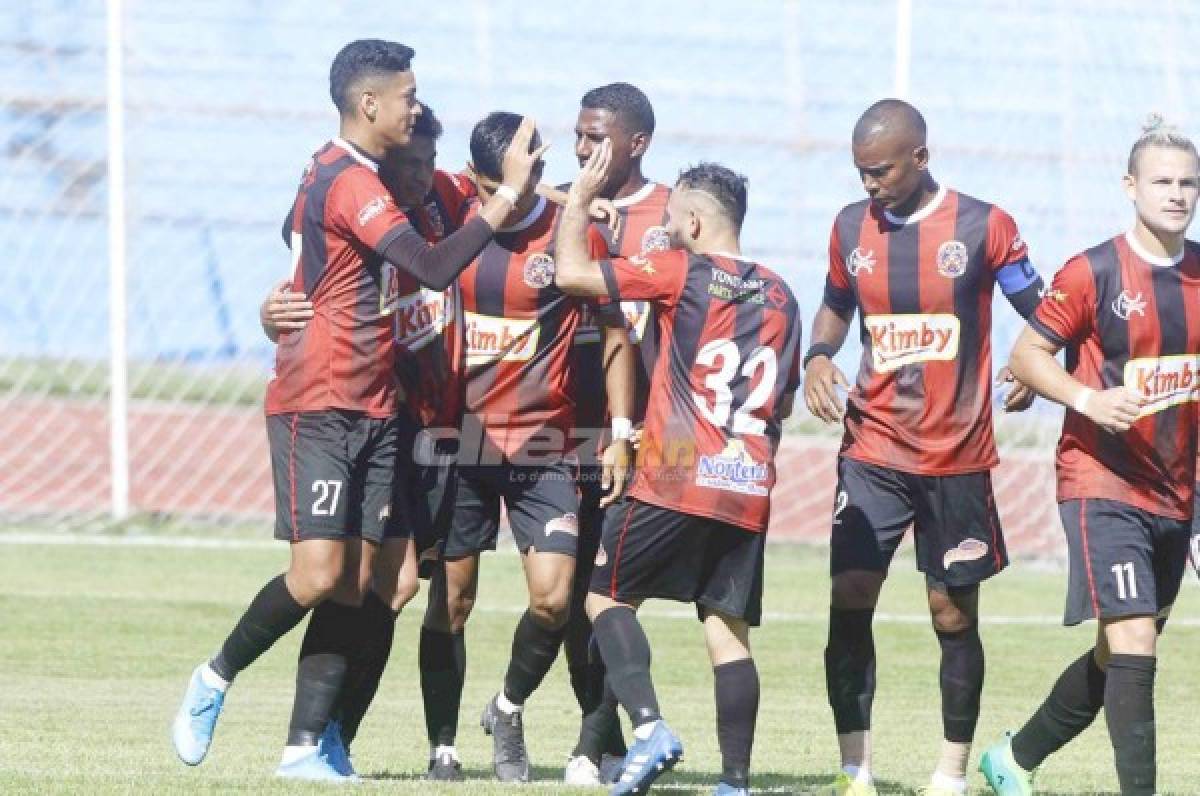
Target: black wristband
x,y
819,350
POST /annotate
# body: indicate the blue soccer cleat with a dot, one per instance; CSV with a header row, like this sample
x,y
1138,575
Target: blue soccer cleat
x,y
333,749
314,767
648,760
725,789
192,730
1003,773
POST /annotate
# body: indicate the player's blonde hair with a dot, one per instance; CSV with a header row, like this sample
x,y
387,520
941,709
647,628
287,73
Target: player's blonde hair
x,y
1158,134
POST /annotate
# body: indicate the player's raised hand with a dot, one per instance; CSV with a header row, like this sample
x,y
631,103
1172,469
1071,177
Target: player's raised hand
x,y
1114,410
604,211
518,171
821,380
616,465
1019,397
284,310
591,177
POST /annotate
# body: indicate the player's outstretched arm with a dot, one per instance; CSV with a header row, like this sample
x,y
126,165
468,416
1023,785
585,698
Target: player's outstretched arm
x,y
1034,364
438,265
821,376
575,272
284,310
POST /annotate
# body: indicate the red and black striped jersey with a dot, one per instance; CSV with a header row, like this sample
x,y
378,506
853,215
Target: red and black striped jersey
x,y
643,228
923,288
1127,318
730,337
428,323
519,329
342,217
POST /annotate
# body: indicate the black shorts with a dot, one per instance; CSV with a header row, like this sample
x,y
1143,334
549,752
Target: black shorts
x,y
424,490
1124,561
955,525
651,552
333,472
591,526
542,505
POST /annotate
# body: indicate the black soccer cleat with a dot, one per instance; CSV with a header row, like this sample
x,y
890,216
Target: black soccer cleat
x,y
445,768
510,759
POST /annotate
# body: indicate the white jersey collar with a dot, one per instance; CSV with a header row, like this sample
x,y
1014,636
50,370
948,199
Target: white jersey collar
x,y
921,214
1161,262
636,196
351,150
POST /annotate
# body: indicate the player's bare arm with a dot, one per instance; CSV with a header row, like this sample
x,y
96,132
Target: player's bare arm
x,y
284,310
821,376
601,209
575,271
619,382
1034,364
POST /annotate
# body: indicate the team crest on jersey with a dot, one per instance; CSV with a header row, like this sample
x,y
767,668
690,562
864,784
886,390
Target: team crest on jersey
x,y
861,260
436,224
952,259
656,239
733,470
372,209
1164,381
1125,305
539,271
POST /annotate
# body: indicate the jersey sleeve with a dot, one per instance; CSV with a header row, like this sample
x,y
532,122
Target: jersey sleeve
x,y
457,192
1066,313
651,276
362,209
1008,257
839,291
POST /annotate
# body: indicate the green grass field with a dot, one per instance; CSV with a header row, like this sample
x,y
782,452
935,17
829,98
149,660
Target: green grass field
x,y
96,644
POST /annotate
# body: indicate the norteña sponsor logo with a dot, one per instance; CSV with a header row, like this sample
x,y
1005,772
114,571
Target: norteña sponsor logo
x,y
899,340
733,470
1164,381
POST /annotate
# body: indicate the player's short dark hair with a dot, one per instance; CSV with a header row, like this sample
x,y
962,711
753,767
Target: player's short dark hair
x,y
624,101
724,185
428,124
362,59
490,140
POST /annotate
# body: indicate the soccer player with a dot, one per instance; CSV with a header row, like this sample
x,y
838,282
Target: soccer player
x,y
330,407
919,261
1128,313
516,433
427,332
693,526
622,114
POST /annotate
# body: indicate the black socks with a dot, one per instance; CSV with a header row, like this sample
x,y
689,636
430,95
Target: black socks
x,y
270,615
